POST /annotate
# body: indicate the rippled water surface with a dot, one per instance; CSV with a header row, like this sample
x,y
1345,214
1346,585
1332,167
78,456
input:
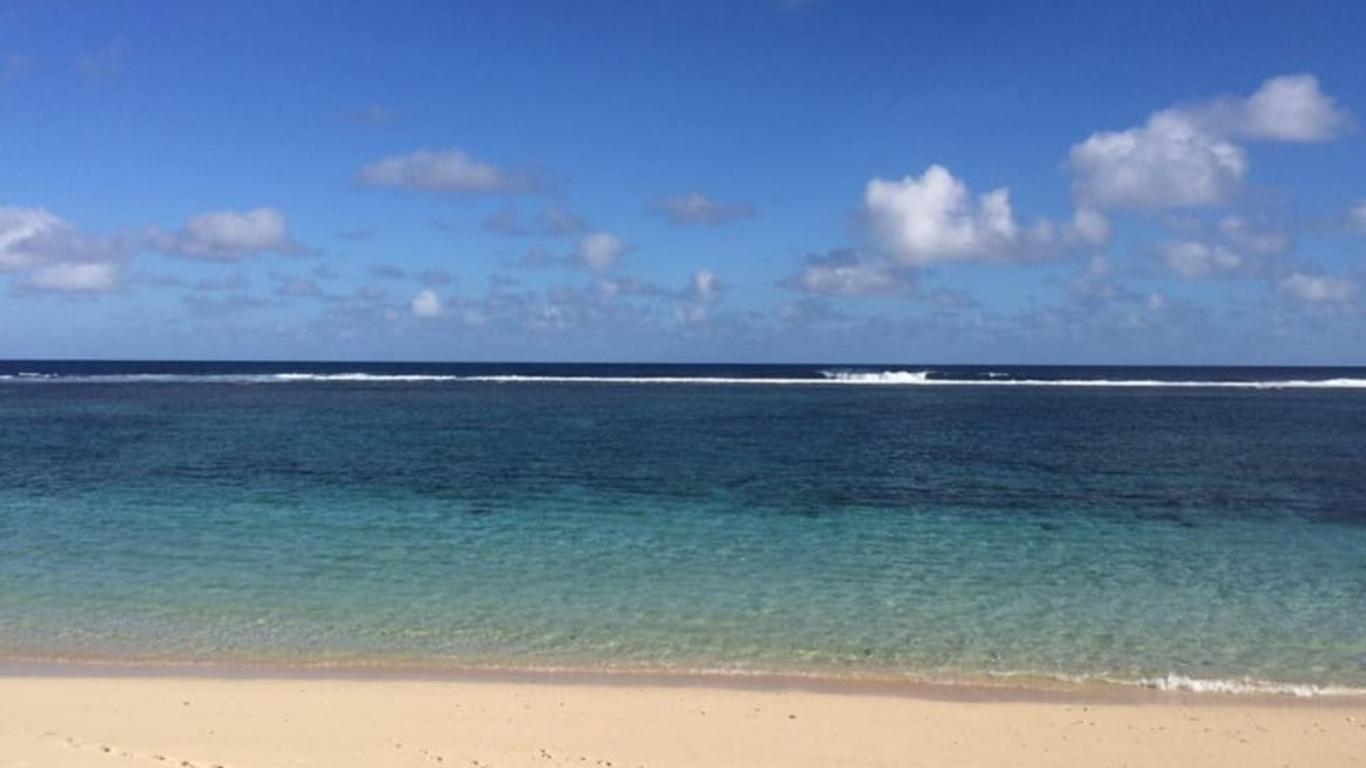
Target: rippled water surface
x,y
307,513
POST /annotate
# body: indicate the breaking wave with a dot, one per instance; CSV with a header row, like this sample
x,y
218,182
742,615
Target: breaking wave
x,y
1246,686
832,377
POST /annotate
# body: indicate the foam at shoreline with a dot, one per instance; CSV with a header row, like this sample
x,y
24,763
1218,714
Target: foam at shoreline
x,y
1023,684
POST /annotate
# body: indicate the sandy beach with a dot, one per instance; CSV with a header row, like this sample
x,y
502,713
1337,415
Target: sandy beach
x,y
236,722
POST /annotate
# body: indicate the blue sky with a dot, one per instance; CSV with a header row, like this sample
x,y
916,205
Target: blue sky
x,y
708,181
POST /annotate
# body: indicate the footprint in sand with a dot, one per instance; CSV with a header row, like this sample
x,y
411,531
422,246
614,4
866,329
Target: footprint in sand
x,y
150,758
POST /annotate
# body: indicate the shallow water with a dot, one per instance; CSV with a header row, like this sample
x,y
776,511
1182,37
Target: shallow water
x,y
1118,532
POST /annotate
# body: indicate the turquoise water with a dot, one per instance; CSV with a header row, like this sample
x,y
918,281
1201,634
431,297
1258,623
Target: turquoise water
x,y
1185,535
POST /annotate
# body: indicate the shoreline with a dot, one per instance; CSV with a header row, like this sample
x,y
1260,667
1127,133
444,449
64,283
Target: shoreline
x,y
1004,688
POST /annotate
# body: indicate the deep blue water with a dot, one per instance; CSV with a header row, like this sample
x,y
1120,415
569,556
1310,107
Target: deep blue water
x,y
1117,523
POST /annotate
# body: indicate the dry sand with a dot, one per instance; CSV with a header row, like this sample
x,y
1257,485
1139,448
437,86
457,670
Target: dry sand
x,y
156,720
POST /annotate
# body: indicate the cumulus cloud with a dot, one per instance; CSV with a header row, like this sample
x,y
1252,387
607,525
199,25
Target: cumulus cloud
x,y
697,208
55,256
229,235
1170,161
600,250
1318,289
847,273
426,304
449,170
1289,108
1185,156
933,218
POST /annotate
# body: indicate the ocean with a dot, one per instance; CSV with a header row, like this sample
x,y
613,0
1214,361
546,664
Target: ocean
x,y
1194,528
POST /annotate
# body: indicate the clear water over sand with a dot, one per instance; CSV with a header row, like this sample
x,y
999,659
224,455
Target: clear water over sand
x,y
1135,532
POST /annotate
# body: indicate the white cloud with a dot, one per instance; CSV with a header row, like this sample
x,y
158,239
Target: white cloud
x,y
706,287
600,250
1356,216
229,235
1170,161
610,288
849,274
74,277
22,233
1095,280
1192,259
1185,156
691,314
1290,108
55,255
697,208
1088,227
448,170
1318,289
1241,234
426,303
929,219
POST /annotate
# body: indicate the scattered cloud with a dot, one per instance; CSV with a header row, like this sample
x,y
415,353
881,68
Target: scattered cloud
x,y
1170,161
24,235
231,305
611,288
696,208
54,256
1356,216
848,273
426,304
1246,237
933,218
705,287
449,170
598,251
1233,246
74,277
553,221
229,236
1185,156
1318,289
1192,259
1285,108
1095,280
